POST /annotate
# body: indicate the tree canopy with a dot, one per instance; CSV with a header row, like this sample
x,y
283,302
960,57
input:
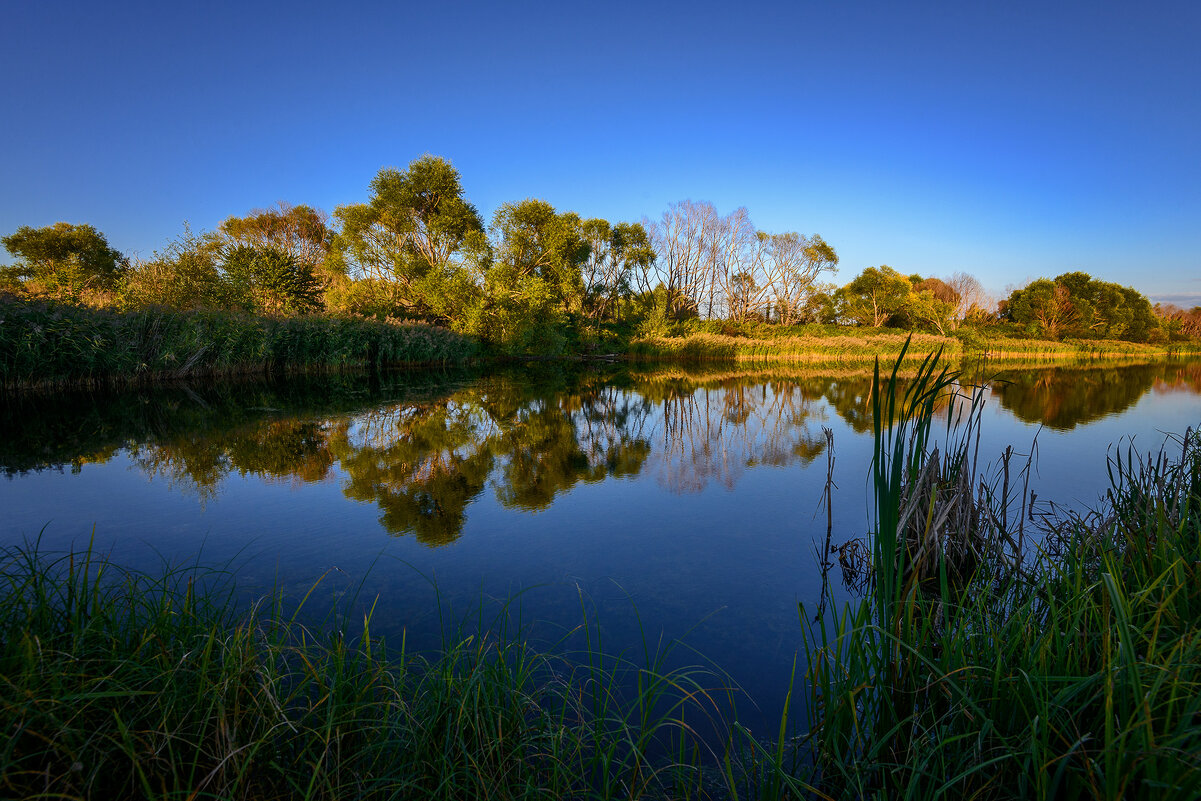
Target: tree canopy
x,y
413,239
1077,305
63,259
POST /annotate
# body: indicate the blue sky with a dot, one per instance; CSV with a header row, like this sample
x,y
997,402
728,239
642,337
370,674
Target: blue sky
x,y
1010,140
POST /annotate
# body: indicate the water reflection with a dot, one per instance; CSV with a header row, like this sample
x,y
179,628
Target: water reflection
x,y
1063,398
423,448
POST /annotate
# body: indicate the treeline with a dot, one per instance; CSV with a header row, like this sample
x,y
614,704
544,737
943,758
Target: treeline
x,y
538,280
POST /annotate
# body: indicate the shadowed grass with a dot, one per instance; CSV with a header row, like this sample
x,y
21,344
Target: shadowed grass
x,y
116,684
62,345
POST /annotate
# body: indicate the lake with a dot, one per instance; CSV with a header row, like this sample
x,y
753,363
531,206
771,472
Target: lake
x,y
659,502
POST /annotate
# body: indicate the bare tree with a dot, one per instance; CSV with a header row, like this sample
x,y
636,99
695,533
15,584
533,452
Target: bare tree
x,y
972,297
680,266
721,266
795,264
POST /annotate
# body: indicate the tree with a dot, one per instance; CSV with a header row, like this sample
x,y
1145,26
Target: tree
x,y
1076,304
1044,306
534,281
874,296
532,240
415,242
64,260
796,263
925,309
716,266
973,301
615,252
300,232
187,274
686,255
630,252
1178,323
277,281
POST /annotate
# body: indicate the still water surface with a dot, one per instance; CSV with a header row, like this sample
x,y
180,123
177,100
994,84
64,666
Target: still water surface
x,y
665,502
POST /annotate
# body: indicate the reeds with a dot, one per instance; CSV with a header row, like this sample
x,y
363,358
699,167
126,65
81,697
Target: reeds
x,y
988,661
118,684
62,345
850,346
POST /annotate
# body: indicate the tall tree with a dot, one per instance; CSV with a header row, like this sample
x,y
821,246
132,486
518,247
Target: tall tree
x,y
534,282
973,301
416,237
795,265
615,253
533,240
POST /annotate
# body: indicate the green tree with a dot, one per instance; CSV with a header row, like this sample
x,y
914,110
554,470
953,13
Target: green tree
x,y
614,253
534,284
630,253
874,296
1076,304
65,260
924,309
301,232
415,242
1044,307
277,281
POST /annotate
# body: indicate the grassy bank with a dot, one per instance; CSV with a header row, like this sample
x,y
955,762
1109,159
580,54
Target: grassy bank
x,y
65,345
124,685
993,658
863,347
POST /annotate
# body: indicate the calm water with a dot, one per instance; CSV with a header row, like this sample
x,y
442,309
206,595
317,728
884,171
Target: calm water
x,y
666,502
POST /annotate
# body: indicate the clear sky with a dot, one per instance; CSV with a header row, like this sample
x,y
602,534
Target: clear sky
x,y
1010,140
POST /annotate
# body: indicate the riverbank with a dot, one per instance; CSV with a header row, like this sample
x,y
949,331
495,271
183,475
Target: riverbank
x,y
50,346
864,347
60,345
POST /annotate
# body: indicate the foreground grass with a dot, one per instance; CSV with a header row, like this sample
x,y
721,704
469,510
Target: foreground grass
x,y
122,685
979,665
63,345
864,347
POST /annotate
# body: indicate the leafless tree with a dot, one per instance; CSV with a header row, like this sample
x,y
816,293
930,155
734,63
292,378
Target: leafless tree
x,y
792,271
972,299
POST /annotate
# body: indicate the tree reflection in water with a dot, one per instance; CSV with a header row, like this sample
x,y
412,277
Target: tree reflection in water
x,y
1065,397
427,454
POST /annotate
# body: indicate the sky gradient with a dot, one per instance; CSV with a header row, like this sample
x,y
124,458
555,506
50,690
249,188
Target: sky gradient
x,y
1011,141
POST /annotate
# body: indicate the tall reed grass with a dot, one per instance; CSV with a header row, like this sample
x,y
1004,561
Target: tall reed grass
x,y
992,661
118,684
864,347
56,345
